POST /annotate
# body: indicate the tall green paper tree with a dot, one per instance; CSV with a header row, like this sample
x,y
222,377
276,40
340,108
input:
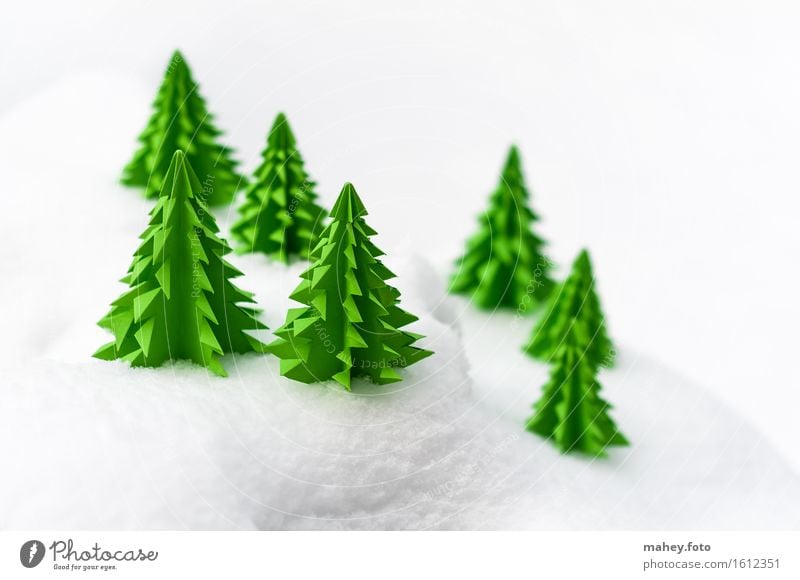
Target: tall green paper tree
x,y
280,216
350,324
180,120
571,412
181,303
504,265
574,310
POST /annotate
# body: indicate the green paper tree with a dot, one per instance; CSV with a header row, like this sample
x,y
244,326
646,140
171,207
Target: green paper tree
x,y
571,412
181,303
279,216
504,265
350,324
180,120
574,310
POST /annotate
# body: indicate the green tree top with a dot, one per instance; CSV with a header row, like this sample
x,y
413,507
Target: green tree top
x,y
180,120
350,324
280,216
574,312
504,265
181,303
571,412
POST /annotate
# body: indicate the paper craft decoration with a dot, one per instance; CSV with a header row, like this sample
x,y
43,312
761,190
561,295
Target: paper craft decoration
x,y
181,303
350,323
574,311
180,120
279,216
504,265
571,412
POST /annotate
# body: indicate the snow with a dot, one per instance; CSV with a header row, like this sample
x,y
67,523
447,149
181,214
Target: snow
x,y
91,445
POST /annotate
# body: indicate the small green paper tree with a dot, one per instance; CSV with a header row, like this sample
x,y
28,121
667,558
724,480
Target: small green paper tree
x,y
571,412
574,310
180,120
181,303
504,265
279,216
350,324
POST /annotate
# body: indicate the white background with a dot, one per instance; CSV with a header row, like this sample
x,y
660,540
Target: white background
x,y
662,135
463,555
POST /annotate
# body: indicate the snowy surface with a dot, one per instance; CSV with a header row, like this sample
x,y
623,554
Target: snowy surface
x,y
90,444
